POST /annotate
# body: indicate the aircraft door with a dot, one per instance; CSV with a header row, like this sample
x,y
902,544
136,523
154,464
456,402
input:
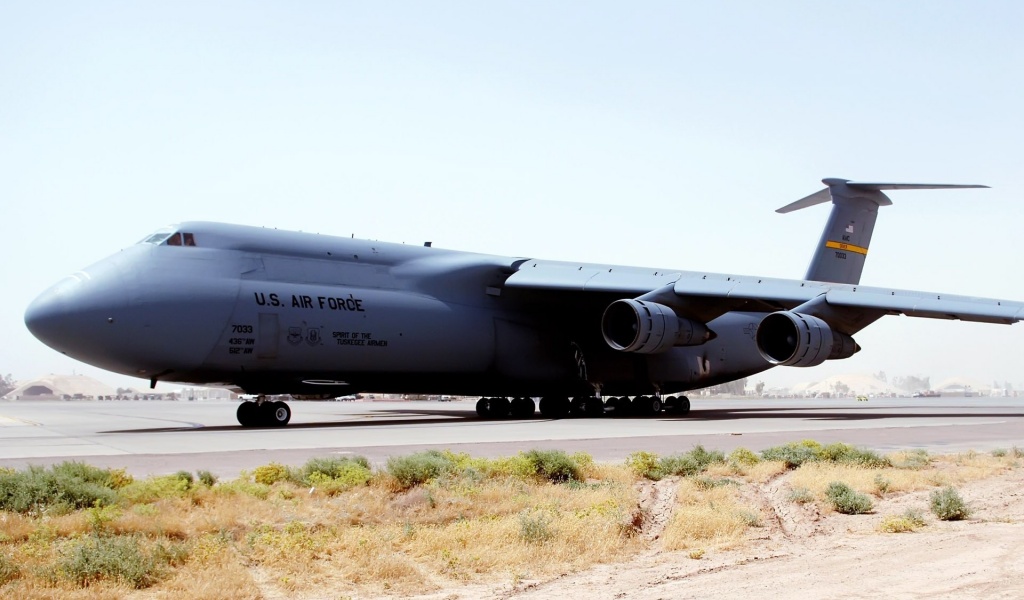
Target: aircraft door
x,y
268,335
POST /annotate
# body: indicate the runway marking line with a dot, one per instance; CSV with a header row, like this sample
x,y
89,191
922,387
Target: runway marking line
x,y
12,422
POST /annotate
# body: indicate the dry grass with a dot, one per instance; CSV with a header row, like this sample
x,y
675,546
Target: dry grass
x,y
488,522
708,517
817,476
400,543
759,472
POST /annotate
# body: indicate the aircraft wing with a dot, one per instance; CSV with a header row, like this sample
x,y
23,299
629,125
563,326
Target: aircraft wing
x,y
706,296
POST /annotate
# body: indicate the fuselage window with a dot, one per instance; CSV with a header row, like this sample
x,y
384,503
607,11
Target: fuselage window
x,y
174,240
190,239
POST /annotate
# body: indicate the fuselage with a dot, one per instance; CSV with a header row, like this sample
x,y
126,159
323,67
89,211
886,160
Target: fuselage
x,y
269,311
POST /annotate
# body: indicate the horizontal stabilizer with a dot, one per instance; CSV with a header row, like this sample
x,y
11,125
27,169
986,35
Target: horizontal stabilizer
x,y
823,196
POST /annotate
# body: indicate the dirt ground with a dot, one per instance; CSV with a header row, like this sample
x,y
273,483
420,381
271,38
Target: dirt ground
x,y
801,553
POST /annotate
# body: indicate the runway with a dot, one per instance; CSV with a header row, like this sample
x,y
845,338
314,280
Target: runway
x,y
163,437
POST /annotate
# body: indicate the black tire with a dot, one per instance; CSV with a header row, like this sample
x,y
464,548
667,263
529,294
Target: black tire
x,y
683,406
554,407
523,408
646,405
499,408
483,408
623,407
594,407
578,406
277,414
247,414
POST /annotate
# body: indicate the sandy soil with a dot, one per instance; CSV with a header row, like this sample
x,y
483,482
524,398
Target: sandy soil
x,y
800,553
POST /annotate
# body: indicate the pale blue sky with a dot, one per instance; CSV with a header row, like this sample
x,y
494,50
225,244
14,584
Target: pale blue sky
x,y
661,133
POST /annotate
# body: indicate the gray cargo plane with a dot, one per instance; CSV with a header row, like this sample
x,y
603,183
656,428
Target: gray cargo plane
x,y
274,312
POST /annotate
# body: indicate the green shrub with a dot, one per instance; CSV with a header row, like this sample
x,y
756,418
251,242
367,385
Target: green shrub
x,y
243,485
584,461
345,478
419,468
534,528
947,505
270,474
795,454
792,454
882,485
910,520
743,457
913,459
9,570
151,489
554,465
516,467
999,452
354,470
690,463
644,464
186,477
207,478
852,455
118,558
65,486
750,518
844,499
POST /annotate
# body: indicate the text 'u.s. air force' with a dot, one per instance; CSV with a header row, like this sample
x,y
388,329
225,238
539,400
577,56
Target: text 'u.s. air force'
x,y
348,304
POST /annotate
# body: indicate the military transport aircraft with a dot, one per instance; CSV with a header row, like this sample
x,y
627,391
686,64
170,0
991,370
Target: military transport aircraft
x,y
275,312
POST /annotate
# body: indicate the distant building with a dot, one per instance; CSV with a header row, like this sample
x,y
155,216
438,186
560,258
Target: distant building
x,y
62,387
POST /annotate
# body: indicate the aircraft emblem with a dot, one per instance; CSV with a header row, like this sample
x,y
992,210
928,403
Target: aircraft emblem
x,y
294,335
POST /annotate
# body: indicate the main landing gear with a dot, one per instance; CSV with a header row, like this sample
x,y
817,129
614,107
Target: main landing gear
x,y
558,407
263,413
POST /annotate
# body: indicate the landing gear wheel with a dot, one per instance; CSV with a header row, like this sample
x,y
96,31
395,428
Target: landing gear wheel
x,y
593,407
647,405
277,414
247,414
578,406
682,405
623,407
554,407
522,408
483,408
499,408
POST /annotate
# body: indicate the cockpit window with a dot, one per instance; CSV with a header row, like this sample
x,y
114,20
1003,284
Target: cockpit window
x,y
157,238
170,238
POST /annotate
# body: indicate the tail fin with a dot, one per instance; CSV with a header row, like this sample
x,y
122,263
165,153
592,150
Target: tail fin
x,y
840,254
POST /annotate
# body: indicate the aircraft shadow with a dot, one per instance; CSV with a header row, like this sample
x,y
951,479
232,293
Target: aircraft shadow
x,y
469,417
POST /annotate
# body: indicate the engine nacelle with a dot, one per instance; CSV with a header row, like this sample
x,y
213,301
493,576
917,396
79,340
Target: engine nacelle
x,y
796,340
649,327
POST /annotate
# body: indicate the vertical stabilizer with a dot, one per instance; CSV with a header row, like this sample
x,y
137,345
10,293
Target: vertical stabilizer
x,y
843,248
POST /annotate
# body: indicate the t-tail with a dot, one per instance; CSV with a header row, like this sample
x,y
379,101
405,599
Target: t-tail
x,y
840,255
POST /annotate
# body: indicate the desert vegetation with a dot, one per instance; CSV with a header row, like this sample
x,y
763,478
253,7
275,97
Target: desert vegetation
x,y
421,522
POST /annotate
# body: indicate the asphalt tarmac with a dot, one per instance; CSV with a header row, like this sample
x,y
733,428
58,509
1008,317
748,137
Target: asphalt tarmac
x,y
162,437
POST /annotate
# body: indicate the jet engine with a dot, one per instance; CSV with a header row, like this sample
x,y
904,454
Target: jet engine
x,y
796,340
649,328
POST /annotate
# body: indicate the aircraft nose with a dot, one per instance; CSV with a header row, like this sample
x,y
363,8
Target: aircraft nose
x,y
78,315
